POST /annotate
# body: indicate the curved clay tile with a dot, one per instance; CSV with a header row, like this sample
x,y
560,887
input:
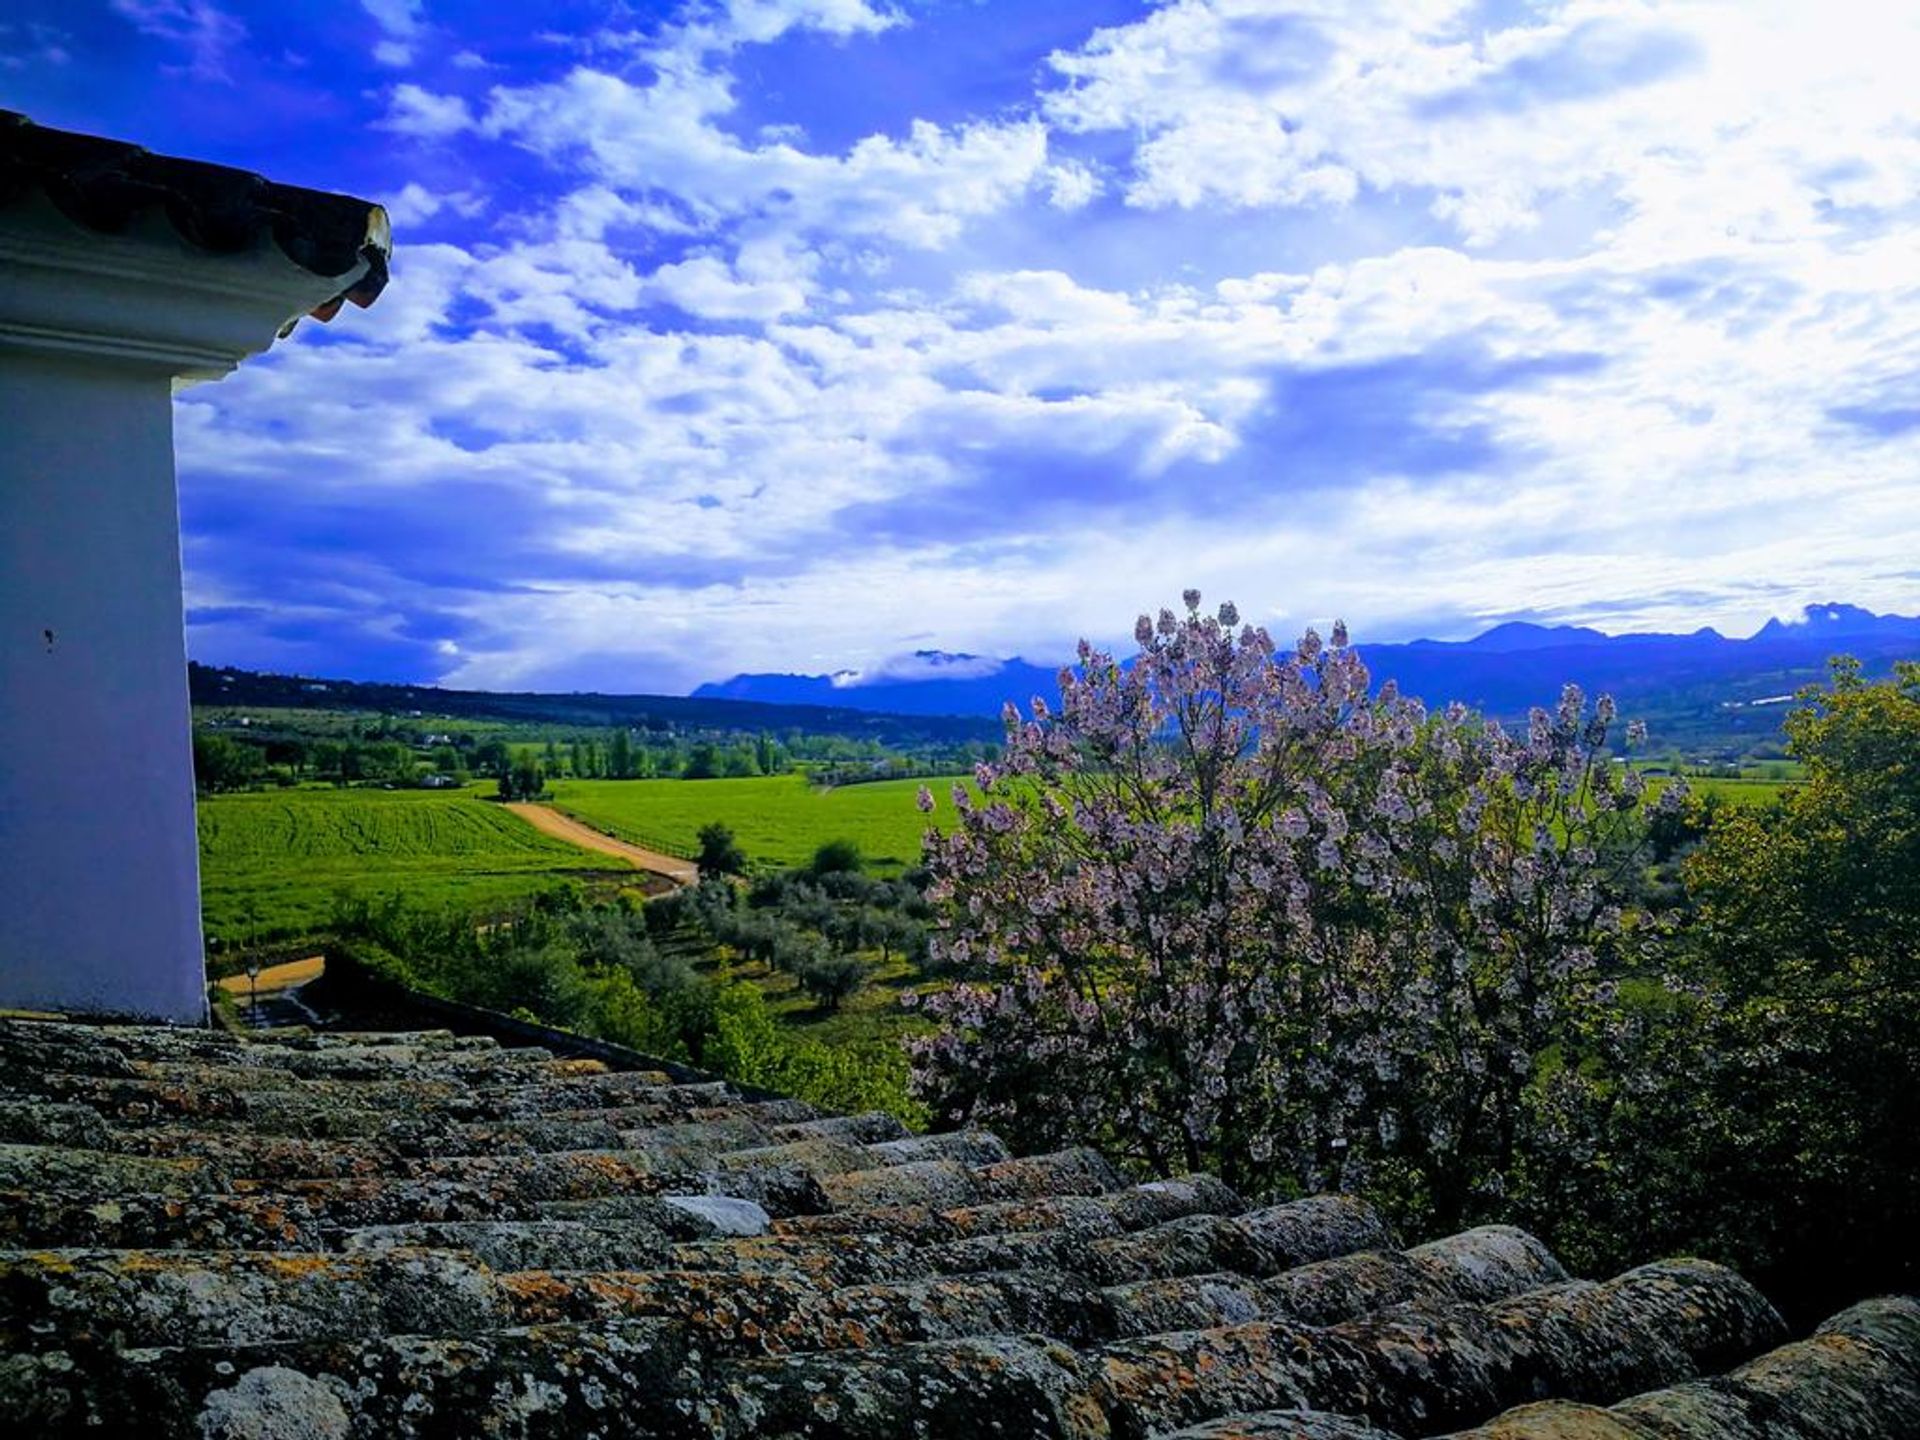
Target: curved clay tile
x,y
108,186
422,1236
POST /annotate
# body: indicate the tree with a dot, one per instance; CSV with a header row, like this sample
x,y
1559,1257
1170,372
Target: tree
x,y
830,976
1824,891
719,854
1229,910
220,763
767,756
620,754
524,781
1789,1138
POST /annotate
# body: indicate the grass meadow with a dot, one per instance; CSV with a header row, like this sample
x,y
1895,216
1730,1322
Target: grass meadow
x,y
272,864
778,819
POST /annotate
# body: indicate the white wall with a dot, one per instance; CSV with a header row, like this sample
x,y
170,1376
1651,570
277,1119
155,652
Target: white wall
x,y
99,871
99,864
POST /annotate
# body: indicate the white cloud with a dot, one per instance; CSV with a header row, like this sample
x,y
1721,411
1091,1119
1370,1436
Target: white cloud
x,y
420,113
207,33
708,287
398,18
745,404
415,204
662,137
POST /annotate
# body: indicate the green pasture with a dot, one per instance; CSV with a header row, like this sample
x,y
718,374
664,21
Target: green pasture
x,y
1746,790
272,864
778,819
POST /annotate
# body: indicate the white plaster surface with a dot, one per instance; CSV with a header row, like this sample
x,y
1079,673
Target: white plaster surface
x,y
99,863
98,860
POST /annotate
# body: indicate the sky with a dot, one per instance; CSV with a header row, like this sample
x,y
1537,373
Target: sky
x,y
802,335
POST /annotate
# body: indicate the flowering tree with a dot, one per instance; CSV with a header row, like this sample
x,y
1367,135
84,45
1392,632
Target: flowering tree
x,y
1232,910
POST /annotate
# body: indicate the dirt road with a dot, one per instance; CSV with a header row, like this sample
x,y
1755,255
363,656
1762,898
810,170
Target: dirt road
x,y
565,827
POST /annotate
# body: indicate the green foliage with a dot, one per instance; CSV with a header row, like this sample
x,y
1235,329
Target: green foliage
x,y
751,1047
1799,1122
220,763
1823,893
837,857
719,853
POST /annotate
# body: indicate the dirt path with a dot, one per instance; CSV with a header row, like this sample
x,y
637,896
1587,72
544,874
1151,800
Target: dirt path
x,y
565,827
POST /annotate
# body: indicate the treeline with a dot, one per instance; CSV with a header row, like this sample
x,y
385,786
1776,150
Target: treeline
x,y
658,714
230,756
240,759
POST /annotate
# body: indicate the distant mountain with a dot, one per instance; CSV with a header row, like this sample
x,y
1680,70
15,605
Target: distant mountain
x,y
1698,682
945,684
1519,635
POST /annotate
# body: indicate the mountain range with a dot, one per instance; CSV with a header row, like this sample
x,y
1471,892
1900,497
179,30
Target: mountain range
x,y
1701,678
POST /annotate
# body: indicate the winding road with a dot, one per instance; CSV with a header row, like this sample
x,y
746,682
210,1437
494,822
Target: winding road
x,y
565,827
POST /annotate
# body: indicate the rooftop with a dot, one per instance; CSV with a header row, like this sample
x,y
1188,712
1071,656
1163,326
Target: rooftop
x,y
110,187
422,1234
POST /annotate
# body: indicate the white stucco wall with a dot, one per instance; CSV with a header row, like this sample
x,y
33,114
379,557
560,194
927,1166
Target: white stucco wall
x,y
99,864
99,873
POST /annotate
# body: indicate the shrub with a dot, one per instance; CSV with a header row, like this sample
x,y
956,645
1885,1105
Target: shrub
x,y
837,857
1230,910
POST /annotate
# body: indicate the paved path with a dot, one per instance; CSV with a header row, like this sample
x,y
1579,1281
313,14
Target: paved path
x,y
275,999
276,977
565,827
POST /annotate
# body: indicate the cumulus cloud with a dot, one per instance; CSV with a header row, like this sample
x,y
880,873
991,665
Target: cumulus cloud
x,y
208,34
425,115
415,204
1369,308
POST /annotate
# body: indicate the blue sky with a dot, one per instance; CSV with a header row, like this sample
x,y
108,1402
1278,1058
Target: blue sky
x,y
801,334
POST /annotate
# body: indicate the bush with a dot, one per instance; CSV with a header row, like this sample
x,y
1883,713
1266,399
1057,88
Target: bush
x,y
1230,910
749,1046
837,857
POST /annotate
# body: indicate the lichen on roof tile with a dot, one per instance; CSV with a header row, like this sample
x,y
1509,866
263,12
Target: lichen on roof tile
x,y
421,1235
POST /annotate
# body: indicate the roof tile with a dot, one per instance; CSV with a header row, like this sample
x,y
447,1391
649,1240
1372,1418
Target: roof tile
x,y
417,1235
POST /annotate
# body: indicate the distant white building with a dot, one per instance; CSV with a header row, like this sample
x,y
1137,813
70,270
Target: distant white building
x,y
123,276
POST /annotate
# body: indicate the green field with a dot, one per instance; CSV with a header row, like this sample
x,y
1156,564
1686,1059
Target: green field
x,y
1743,791
778,820
272,864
